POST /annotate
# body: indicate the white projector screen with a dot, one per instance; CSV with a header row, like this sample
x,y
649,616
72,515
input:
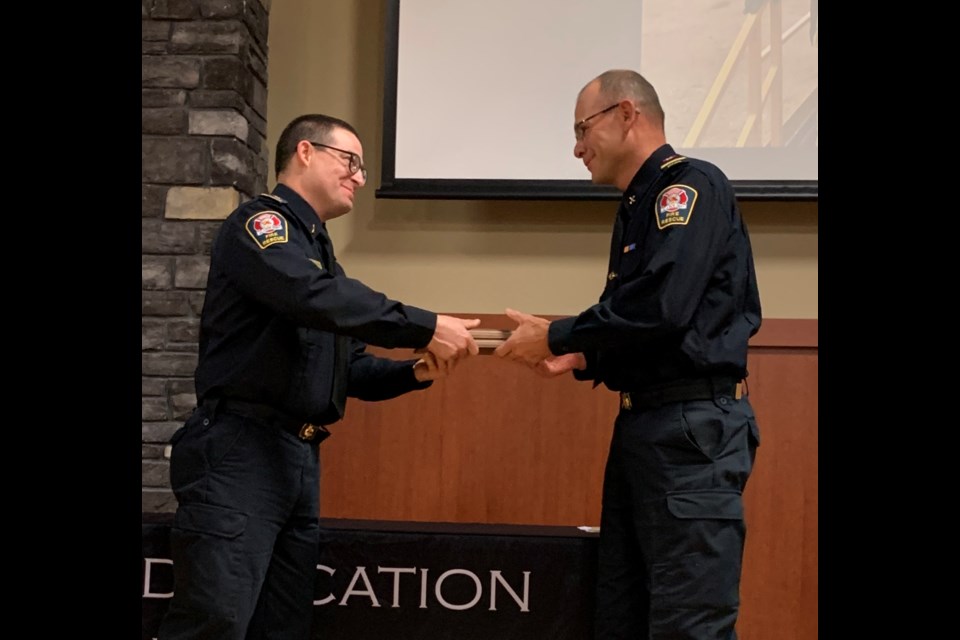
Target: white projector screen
x,y
479,96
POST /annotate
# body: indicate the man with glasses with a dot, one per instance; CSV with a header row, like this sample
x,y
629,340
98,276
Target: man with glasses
x,y
283,334
670,333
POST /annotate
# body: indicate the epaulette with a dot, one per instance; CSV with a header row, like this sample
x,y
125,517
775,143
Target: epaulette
x,y
277,198
672,160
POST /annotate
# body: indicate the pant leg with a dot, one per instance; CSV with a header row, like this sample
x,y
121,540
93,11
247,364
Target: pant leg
x,y
237,483
694,525
285,609
684,467
622,583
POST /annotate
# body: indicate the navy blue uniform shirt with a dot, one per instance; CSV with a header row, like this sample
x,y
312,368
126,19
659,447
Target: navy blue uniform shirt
x,y
681,298
283,325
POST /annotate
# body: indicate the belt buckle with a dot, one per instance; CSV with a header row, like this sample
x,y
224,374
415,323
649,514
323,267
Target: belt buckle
x,y
625,402
307,431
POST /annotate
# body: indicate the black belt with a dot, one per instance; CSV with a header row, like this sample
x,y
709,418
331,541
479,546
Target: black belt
x,y
682,391
268,415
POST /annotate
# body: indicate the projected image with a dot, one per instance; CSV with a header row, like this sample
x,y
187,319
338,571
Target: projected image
x,y
479,97
750,81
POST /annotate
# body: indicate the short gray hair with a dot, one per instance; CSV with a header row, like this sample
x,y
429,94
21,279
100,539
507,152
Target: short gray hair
x,y
620,84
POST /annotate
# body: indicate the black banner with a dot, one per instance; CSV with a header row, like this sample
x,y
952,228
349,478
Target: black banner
x,y
426,581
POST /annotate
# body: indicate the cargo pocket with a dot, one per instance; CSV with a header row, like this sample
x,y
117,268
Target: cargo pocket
x,y
701,568
207,543
715,504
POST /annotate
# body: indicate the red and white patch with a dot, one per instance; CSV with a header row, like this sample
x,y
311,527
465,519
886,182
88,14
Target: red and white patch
x,y
267,228
675,205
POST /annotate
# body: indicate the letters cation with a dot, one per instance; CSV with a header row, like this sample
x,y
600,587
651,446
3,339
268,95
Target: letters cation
x,y
496,578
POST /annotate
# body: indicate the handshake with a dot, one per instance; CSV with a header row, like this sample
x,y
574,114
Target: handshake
x,y
455,339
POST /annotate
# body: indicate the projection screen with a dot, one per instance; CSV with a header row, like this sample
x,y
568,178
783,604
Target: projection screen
x,y
479,96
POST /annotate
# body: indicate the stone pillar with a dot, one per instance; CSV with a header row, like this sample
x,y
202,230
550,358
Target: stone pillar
x,y
203,131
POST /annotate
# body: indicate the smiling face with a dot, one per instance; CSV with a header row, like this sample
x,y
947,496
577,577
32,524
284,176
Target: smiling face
x,y
331,185
598,134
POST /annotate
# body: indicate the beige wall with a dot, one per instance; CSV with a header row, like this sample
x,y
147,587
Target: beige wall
x,y
478,256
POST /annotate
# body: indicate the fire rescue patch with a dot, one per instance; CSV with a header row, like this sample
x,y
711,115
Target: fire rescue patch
x,y
267,228
674,205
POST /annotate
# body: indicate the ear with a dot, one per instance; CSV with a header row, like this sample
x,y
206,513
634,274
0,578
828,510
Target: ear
x,y
627,111
304,152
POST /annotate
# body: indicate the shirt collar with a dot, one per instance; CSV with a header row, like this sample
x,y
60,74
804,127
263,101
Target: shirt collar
x,y
648,173
300,208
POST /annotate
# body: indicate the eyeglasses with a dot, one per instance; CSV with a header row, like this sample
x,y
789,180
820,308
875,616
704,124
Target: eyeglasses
x,y
354,163
580,128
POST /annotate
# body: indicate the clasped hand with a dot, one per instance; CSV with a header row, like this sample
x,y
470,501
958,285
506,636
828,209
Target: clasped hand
x,y
451,343
529,345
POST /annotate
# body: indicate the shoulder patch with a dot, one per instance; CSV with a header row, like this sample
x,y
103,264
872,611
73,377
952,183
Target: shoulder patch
x,y
674,205
672,160
267,228
273,197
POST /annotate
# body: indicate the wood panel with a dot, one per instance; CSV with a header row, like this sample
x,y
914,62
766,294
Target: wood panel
x,y
495,443
779,588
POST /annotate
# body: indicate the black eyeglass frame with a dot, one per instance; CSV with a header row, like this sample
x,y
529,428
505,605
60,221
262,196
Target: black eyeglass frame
x,y
579,130
354,164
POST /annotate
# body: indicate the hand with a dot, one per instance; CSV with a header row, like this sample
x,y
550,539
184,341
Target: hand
x,y
452,340
558,365
528,342
429,368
